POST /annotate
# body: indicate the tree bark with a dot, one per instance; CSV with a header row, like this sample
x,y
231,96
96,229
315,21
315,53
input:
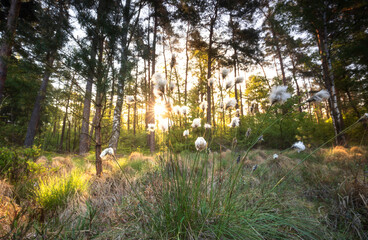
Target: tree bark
x,y
209,64
152,100
7,44
84,136
65,117
328,78
35,117
115,134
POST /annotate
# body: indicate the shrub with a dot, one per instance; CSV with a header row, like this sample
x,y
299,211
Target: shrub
x,y
13,163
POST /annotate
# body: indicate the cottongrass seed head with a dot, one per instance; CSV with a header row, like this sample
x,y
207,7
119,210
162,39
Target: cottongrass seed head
x,y
107,151
239,79
186,133
184,110
224,72
279,94
200,144
172,86
364,118
151,127
177,110
160,82
130,99
196,123
211,81
320,96
207,126
230,103
299,146
229,83
234,122
203,105
165,124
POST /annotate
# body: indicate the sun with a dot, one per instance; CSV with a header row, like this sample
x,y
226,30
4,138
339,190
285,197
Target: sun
x,y
159,109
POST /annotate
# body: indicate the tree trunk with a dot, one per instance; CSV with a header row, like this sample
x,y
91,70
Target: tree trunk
x,y
186,67
7,44
152,102
296,83
65,117
84,136
115,134
35,117
209,65
328,78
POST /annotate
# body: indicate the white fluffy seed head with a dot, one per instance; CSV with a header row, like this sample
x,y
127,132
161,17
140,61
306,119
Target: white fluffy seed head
x,y
196,123
299,146
234,122
207,126
203,105
130,99
151,127
320,96
229,83
279,94
224,72
186,133
165,124
200,144
275,156
184,110
177,110
221,105
172,86
230,103
211,81
159,82
107,151
239,79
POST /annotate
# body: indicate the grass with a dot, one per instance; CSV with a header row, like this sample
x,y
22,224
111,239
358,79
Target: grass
x,y
53,192
189,196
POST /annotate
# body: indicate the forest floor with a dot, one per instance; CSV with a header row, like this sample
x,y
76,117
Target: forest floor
x,y
323,197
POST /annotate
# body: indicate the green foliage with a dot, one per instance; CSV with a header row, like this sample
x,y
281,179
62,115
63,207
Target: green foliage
x,y
13,163
53,192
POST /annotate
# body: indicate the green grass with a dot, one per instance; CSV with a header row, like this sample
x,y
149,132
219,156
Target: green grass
x,y
54,191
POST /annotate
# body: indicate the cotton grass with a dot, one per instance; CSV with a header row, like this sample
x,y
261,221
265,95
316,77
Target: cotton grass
x,y
200,144
279,94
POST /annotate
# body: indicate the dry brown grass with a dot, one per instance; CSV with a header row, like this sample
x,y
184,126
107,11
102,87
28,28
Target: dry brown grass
x,y
64,163
139,156
342,155
9,209
42,160
226,154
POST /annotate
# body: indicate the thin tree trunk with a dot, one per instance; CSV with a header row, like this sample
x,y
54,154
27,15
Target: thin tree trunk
x,y
7,44
186,67
84,136
35,117
209,65
330,84
152,102
115,134
296,83
65,117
